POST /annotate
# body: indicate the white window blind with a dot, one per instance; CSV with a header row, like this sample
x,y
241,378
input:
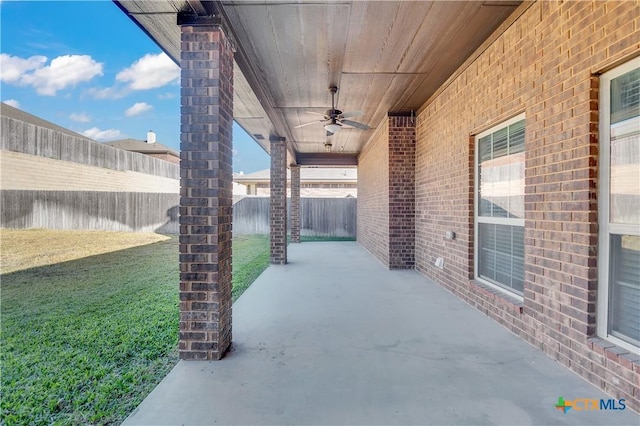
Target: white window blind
x,y
500,205
619,257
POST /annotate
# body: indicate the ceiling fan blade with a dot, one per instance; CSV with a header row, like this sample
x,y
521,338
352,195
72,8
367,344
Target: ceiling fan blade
x,y
355,124
307,124
329,133
351,114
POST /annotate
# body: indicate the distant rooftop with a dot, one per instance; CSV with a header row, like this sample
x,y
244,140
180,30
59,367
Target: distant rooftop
x,y
142,147
307,174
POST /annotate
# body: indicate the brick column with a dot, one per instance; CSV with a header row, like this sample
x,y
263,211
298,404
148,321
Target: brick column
x,y
295,204
402,192
278,205
205,193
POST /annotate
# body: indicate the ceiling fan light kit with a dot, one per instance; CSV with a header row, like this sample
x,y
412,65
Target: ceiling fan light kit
x,y
332,127
334,119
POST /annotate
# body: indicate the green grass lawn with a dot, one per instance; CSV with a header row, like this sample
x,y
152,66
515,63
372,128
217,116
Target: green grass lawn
x,y
311,238
85,341
250,258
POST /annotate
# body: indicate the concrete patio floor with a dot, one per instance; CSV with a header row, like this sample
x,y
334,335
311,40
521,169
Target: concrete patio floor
x,y
333,338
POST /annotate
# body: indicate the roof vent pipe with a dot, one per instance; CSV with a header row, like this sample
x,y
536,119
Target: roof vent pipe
x,y
151,137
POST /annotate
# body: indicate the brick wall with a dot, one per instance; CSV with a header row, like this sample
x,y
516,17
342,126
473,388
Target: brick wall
x,y
386,195
278,201
206,193
544,65
373,195
402,150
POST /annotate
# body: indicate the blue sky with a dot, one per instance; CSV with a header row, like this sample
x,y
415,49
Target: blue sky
x,y
86,66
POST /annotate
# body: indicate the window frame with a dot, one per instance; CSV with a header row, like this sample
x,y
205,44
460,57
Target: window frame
x,y
605,228
491,220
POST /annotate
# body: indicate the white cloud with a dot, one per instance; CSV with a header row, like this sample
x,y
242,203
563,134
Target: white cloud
x,y
167,95
12,102
102,135
12,68
114,92
82,117
64,71
149,72
138,108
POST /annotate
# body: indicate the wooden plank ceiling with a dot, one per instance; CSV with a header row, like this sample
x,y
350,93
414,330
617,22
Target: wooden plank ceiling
x,y
384,56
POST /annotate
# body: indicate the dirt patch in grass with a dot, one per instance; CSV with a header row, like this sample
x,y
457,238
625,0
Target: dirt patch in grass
x,y
22,249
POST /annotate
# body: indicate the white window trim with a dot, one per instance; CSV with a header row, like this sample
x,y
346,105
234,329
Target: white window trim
x,y
605,228
493,220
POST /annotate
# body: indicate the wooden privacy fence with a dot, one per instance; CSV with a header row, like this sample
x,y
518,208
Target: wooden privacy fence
x,y
27,138
326,217
92,186
90,210
156,212
99,207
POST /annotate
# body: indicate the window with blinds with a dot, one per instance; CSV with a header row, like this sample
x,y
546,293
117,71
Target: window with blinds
x,y
619,257
624,300
500,205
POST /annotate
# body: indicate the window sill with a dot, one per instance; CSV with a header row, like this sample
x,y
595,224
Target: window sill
x,y
623,356
499,297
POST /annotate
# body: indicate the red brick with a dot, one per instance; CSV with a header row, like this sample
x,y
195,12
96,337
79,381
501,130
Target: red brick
x,y
386,193
533,68
278,201
206,187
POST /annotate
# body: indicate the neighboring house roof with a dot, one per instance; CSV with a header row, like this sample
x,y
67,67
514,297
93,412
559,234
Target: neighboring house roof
x,y
142,147
18,114
307,174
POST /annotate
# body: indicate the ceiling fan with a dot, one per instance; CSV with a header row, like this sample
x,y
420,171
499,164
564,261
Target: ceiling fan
x,y
334,119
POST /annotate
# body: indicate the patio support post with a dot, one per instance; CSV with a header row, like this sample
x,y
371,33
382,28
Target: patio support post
x,y
402,210
206,62
295,204
278,201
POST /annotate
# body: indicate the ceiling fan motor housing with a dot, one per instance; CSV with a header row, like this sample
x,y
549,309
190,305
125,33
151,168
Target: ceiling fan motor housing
x,y
334,119
333,113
